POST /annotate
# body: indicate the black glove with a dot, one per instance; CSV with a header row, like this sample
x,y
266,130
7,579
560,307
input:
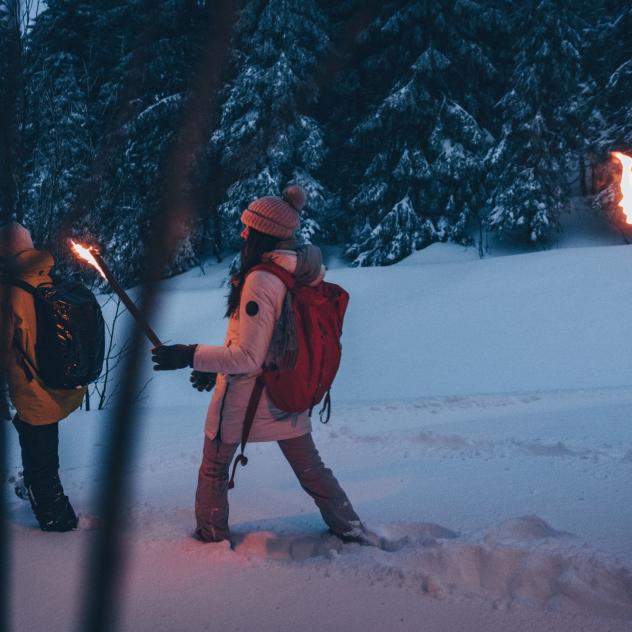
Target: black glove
x,y
203,381
170,357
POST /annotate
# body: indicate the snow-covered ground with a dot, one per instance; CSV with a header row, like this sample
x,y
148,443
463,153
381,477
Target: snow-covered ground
x,y
481,423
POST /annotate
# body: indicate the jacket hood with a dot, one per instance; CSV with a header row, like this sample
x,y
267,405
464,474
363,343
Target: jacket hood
x,y
305,263
30,263
14,238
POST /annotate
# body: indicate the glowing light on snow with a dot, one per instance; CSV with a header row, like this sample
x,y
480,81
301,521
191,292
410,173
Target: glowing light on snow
x,y
87,255
625,184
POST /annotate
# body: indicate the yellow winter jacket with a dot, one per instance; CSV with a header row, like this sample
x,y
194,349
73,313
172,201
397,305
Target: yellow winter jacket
x,y
35,404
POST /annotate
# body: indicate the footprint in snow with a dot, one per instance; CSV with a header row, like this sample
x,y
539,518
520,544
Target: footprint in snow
x,y
388,538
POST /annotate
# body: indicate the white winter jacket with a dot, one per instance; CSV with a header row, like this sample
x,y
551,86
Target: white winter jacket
x,y
240,360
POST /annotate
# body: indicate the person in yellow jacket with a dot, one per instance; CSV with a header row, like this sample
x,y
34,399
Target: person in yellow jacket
x,y
38,409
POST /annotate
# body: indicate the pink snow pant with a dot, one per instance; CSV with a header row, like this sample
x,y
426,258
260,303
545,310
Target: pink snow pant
x,y
211,498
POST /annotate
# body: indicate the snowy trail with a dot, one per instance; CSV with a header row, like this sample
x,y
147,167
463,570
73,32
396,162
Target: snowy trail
x,y
209,589
481,420
493,499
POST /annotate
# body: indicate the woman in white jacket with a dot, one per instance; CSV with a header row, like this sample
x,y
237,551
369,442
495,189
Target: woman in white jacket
x,y
255,304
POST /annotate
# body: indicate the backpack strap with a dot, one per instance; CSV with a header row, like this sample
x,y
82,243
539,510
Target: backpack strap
x,y
23,285
290,282
250,416
287,277
29,369
27,364
324,413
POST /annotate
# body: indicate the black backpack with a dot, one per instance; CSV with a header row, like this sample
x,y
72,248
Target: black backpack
x,y
70,343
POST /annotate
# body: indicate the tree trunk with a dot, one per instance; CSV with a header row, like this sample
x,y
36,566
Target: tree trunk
x,y
582,175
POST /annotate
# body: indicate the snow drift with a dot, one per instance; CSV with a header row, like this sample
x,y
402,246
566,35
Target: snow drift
x,y
480,426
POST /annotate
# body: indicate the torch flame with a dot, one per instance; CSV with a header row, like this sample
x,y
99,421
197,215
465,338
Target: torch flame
x,y
87,255
626,184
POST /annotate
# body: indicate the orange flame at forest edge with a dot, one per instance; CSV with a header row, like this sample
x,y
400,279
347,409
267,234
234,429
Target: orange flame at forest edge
x,y
86,255
626,184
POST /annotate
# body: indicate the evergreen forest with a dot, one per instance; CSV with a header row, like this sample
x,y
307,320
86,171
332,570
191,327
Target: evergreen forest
x,y
407,121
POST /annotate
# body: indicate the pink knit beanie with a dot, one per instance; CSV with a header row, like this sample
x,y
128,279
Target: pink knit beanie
x,y
14,239
276,216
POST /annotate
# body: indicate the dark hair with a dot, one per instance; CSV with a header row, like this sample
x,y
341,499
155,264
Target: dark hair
x,y
255,246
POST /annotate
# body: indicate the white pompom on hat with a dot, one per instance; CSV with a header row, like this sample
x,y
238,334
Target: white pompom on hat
x,y
276,216
14,239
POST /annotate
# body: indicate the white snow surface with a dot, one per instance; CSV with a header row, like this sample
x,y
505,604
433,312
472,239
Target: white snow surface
x,y
481,425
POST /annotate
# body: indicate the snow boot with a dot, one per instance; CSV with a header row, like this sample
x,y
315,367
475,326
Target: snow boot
x,y
201,536
360,535
366,537
51,506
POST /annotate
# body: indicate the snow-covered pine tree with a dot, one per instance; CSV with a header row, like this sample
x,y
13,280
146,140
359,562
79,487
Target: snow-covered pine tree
x,y
59,127
615,105
7,111
62,146
420,147
143,99
343,102
617,99
111,78
528,169
592,21
266,135
147,61
14,25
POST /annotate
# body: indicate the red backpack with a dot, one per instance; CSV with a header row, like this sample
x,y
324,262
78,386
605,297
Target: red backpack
x,y
318,312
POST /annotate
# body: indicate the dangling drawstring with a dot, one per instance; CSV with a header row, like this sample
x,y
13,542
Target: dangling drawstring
x,y
241,458
325,411
250,415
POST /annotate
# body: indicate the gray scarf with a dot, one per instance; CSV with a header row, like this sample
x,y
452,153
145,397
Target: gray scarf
x,y
284,345
309,260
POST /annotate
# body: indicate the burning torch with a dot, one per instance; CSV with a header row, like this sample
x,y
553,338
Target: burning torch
x,y
626,184
93,257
